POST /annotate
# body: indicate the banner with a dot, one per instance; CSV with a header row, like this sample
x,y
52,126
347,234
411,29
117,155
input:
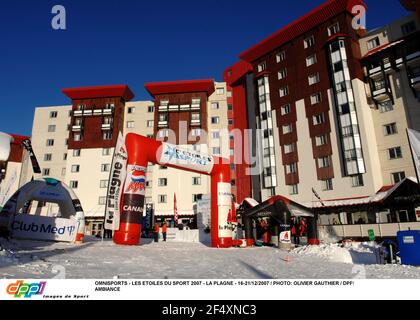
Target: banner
x,y
26,226
414,138
5,141
116,185
35,165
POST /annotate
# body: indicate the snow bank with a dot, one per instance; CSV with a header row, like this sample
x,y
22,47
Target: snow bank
x,y
326,235
353,253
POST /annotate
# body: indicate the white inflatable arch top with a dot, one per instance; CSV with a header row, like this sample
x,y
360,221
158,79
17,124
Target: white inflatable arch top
x,y
68,226
5,141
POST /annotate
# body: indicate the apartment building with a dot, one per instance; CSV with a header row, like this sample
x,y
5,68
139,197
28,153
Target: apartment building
x,y
391,60
75,143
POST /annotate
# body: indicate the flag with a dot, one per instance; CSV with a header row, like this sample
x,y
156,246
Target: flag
x,y
5,141
116,185
318,197
35,165
5,192
414,138
175,210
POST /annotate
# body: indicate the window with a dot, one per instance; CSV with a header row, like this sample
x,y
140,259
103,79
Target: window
x,y
284,91
196,181
398,176
45,172
196,101
282,74
164,102
163,168
77,152
77,137
335,28
373,43
162,198
390,129
395,153
150,123
149,183
293,189
327,185
288,148
102,201
215,120
311,60
103,184
65,157
108,120
196,132
74,184
220,91
309,42
357,181
106,151
150,109
75,168
281,56
215,134
408,28
216,150
215,105
386,106
196,197
230,122
291,168
50,142
63,171
230,107
131,110
51,128
287,128
320,140
316,98
262,66
197,147
107,135
162,182
53,114
313,78
105,167
318,119
285,109
130,124
150,136
47,157
195,116
324,162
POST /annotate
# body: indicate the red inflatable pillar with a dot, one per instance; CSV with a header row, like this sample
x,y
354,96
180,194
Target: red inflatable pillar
x,y
221,205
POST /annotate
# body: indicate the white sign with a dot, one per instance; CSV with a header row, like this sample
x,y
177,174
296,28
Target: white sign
x,y
285,237
5,141
414,138
116,185
173,155
32,227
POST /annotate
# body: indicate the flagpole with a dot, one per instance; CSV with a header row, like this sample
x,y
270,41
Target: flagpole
x,y
412,158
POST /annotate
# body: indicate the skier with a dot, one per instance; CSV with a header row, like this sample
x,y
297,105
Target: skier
x,y
296,232
156,232
164,231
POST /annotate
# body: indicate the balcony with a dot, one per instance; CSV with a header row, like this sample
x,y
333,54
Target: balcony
x,y
106,126
87,112
185,107
195,107
413,59
97,112
173,107
162,124
194,123
415,81
77,128
163,108
78,113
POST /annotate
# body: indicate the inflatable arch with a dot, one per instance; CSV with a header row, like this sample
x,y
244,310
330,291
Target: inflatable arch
x,y
69,226
141,151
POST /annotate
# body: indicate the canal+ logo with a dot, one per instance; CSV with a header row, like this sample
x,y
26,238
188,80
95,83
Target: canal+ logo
x,y
20,289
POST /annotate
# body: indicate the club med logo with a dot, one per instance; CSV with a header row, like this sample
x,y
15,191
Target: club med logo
x,y
20,289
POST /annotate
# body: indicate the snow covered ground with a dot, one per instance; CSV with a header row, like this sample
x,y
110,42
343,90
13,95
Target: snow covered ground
x,y
104,260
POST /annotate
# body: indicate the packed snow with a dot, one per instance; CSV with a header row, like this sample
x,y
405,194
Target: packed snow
x,y
104,260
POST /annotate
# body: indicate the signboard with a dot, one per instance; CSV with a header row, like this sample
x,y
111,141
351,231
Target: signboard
x,y
285,237
116,185
224,194
32,227
371,234
173,155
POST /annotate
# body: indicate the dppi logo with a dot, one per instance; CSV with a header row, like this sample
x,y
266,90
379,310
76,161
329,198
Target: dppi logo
x,y
137,183
20,289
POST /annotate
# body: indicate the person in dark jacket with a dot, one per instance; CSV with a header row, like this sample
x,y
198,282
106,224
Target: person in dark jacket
x,y
296,232
156,232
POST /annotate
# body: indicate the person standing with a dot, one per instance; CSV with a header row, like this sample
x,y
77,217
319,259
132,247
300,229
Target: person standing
x,y
156,233
164,231
296,232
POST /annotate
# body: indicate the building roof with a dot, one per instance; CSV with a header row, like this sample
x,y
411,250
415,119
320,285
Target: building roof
x,y
409,4
382,48
184,86
17,139
122,91
302,25
236,72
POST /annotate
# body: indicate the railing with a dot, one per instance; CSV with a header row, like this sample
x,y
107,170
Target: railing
x,y
361,230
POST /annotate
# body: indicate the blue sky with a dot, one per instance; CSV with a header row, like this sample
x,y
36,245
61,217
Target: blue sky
x,y
132,42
